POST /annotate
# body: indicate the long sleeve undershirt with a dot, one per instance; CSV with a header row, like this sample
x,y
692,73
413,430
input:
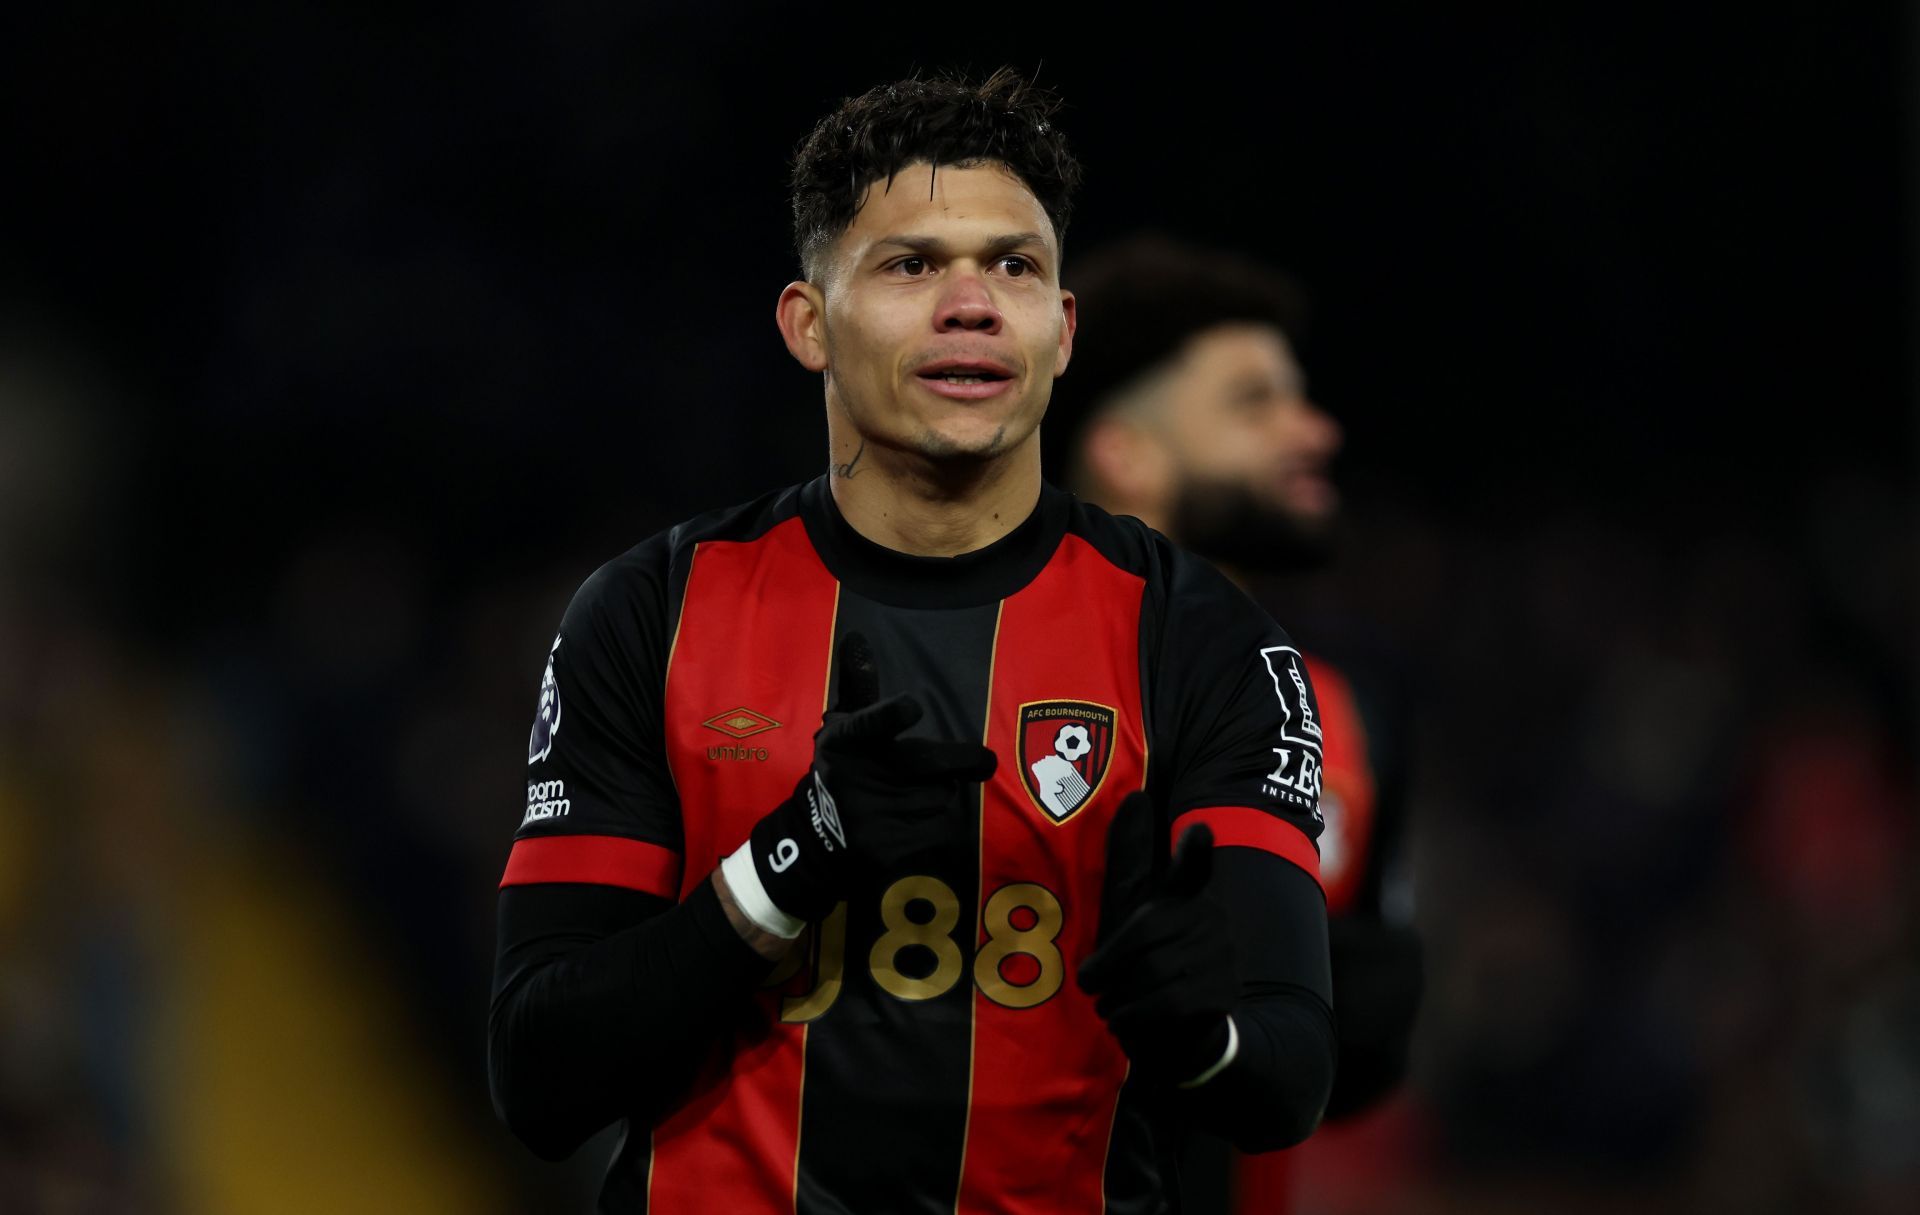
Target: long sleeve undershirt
x,y
606,1000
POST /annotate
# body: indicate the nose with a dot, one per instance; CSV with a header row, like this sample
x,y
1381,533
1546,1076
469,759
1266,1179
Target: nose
x,y
1323,432
1300,429
1314,428
966,306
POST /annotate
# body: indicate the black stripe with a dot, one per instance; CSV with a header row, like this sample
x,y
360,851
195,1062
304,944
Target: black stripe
x,y
625,1188
883,1114
1140,1157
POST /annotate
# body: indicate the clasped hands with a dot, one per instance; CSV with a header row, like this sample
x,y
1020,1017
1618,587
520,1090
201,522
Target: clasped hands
x,y
1162,975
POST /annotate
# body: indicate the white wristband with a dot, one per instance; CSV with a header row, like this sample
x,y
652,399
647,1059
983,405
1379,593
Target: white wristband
x,y
751,897
1226,1057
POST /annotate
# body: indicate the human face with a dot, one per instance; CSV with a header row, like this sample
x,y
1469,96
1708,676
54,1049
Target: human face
x,y
1237,415
943,323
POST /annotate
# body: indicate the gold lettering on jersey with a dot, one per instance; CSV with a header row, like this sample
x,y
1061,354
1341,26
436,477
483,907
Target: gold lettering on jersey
x,y
1011,938
827,953
934,934
1019,965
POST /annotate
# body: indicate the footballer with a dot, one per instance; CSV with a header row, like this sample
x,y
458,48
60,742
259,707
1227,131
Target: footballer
x,y
1188,408
920,837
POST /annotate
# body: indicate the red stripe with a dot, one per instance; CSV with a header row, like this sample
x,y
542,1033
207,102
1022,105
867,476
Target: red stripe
x,y
1348,792
756,630
1046,1079
1244,827
603,860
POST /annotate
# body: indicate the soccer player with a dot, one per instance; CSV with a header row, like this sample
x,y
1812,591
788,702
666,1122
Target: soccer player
x,y
1189,409
917,838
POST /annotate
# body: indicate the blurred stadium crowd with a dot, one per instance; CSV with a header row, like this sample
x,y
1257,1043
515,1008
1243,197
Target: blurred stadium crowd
x,y
277,580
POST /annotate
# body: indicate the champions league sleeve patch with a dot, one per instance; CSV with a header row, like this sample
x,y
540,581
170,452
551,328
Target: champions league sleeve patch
x,y
547,724
1295,778
1064,749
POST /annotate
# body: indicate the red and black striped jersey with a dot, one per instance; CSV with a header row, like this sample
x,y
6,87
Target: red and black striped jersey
x,y
925,1048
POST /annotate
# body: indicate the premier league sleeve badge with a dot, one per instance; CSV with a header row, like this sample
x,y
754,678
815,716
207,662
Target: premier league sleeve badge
x,y
547,722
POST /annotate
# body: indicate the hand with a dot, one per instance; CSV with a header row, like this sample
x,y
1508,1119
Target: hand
x,y
869,797
1163,973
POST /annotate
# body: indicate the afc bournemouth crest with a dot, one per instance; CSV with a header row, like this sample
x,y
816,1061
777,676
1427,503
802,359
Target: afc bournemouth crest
x,y
1064,749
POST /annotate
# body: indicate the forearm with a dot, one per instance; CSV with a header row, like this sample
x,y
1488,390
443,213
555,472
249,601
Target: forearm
x,y
594,1018
1273,1093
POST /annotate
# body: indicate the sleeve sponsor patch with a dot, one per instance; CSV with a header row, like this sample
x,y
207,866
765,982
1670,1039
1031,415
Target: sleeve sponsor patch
x,y
1295,777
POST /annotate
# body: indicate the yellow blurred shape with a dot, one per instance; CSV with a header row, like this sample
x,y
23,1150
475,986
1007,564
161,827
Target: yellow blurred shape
x,y
298,1089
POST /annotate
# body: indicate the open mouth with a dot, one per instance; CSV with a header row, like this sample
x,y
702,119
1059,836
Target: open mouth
x,y
966,379
956,378
965,373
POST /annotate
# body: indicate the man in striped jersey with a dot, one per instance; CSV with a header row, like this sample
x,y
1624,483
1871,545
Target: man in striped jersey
x,y
917,838
1188,409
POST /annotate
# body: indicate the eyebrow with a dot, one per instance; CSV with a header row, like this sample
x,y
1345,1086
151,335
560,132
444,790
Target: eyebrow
x,y
1253,383
995,247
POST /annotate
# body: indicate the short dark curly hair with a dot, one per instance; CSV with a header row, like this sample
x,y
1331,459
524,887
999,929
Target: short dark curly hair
x,y
948,120
1141,300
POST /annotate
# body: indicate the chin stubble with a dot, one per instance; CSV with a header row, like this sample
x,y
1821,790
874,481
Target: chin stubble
x,y
936,446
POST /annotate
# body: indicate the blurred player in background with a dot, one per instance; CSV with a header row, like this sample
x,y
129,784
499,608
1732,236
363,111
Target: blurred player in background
x,y
1187,408
904,711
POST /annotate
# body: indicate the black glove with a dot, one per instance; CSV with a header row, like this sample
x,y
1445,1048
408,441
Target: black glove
x,y
1163,973
869,798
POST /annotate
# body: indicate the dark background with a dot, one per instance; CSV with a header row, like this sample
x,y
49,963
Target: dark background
x,y
338,344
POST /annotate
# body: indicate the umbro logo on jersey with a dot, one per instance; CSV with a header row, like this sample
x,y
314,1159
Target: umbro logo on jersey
x,y
1064,749
741,723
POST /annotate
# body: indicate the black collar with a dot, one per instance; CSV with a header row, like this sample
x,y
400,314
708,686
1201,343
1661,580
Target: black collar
x,y
885,575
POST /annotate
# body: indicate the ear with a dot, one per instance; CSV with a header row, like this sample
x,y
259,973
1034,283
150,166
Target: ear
x,y
801,315
1070,308
1133,464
